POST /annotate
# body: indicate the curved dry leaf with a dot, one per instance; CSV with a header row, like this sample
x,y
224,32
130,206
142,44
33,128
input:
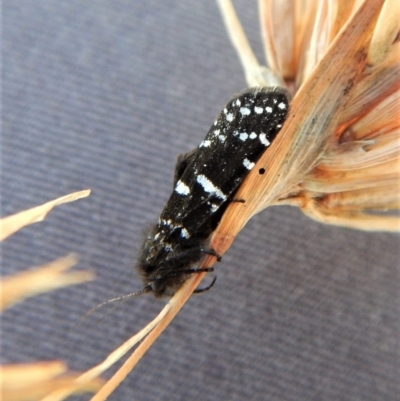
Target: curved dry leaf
x,y
11,224
43,279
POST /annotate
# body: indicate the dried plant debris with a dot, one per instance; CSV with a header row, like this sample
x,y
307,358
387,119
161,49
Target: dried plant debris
x,y
37,380
11,224
42,279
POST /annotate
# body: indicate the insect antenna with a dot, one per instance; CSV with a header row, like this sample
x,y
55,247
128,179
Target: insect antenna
x,y
121,298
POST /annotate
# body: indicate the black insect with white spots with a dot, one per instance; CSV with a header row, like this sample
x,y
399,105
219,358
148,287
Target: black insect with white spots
x,y
205,182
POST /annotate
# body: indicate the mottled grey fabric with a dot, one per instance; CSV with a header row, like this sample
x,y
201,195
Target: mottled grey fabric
x,y
104,95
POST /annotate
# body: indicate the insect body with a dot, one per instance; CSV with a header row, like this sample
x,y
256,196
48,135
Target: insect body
x,y
205,182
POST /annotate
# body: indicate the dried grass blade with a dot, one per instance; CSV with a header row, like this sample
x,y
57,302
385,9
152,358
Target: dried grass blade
x,y
19,375
277,21
112,358
386,30
379,120
381,198
43,279
325,181
11,224
379,83
343,13
319,39
362,154
168,313
32,381
252,69
355,220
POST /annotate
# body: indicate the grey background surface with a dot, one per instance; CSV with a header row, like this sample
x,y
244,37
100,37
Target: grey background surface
x,y
104,95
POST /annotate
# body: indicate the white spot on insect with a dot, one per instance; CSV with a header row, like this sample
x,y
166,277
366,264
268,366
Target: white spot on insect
x,y
229,117
264,140
209,187
268,109
238,103
235,133
253,135
168,248
205,144
215,122
182,189
248,164
222,138
214,207
275,101
282,106
278,125
258,110
184,233
168,223
225,110
243,136
244,111
157,236
216,132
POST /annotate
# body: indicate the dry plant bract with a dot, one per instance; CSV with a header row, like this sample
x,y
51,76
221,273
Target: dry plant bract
x,y
11,224
33,381
337,155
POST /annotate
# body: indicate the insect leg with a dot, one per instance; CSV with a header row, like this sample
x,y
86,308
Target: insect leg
x,y
212,253
200,290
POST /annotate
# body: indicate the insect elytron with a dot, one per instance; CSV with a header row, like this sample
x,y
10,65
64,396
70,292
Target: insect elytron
x,y
205,182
